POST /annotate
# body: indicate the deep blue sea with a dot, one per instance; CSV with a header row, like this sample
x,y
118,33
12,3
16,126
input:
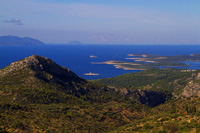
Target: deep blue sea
x,y
77,57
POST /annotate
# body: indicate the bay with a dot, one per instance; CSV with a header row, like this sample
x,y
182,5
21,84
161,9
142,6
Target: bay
x,y
77,57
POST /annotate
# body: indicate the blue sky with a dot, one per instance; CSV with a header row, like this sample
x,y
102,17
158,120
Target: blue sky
x,y
103,21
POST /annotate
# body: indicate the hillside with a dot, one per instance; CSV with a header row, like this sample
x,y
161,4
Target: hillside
x,y
17,41
38,95
33,75
181,115
166,80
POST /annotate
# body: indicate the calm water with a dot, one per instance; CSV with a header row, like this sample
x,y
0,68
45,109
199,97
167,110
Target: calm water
x,y
77,57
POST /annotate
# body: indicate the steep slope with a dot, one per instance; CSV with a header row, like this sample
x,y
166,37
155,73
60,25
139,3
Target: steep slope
x,y
39,76
149,98
193,87
42,64
17,41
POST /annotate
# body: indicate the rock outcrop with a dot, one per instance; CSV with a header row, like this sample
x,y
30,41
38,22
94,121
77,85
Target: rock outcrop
x,y
148,97
192,88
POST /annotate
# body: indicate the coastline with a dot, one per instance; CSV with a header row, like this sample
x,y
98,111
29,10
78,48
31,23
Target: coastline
x,y
120,64
148,61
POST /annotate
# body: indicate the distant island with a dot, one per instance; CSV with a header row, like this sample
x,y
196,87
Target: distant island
x,y
74,42
17,41
146,61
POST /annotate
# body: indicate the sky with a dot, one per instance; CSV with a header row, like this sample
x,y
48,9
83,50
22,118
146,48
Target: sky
x,y
103,21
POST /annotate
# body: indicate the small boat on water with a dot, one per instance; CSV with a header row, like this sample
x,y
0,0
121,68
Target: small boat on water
x,y
92,74
93,56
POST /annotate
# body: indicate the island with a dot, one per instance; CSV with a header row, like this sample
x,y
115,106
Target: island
x,y
146,61
17,41
74,42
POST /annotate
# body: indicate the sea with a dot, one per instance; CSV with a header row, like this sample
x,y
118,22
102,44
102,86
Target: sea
x,y
77,57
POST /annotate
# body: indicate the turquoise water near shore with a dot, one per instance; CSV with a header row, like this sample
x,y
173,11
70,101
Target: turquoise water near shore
x,y
77,57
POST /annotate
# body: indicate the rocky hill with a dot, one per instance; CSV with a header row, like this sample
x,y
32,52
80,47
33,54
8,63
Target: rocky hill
x,y
45,69
17,41
34,73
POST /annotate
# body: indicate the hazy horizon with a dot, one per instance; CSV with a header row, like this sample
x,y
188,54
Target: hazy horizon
x,y
102,22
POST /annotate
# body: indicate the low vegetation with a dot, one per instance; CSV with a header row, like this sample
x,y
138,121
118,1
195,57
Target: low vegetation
x,y
167,80
37,98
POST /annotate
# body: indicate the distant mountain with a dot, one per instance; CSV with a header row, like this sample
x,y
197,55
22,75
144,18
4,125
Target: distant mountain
x,y
17,41
75,42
